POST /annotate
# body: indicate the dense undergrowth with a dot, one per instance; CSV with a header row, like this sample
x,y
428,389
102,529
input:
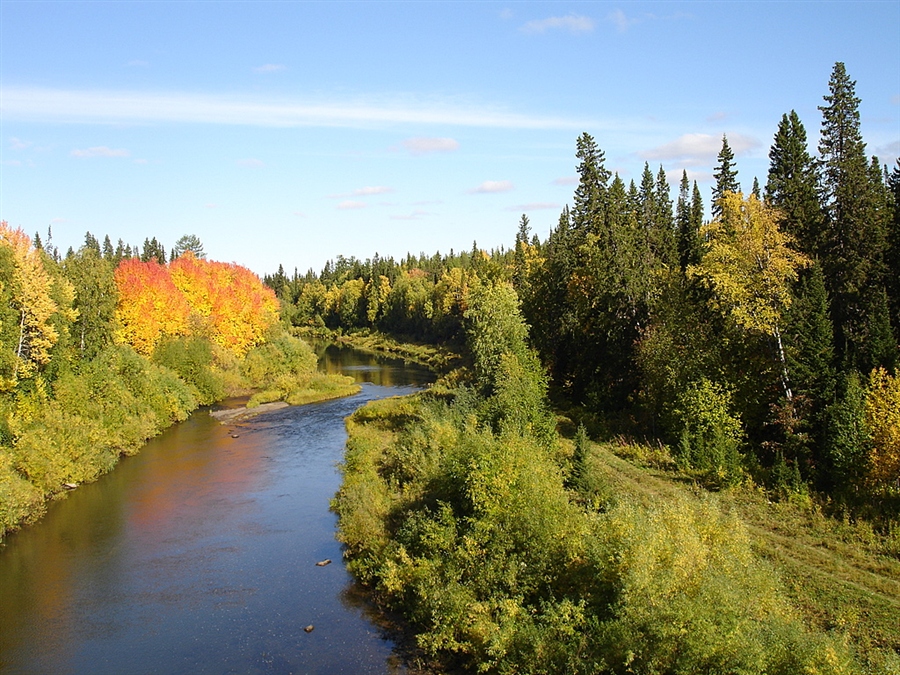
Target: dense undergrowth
x,y
74,427
512,550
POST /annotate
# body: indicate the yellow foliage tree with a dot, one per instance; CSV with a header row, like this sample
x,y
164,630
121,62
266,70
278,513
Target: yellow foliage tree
x,y
883,419
32,298
749,265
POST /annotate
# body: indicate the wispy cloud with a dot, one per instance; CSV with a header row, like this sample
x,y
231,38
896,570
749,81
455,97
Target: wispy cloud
x,y
99,151
367,191
270,68
492,187
116,107
571,22
694,149
372,190
888,153
19,144
418,214
533,206
424,145
566,180
251,163
621,21
350,204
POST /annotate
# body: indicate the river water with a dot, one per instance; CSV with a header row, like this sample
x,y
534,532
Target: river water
x,y
198,555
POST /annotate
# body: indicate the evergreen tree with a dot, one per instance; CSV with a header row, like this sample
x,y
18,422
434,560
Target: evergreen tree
x,y
90,241
108,253
854,238
153,250
755,191
697,211
664,240
593,177
688,226
189,242
725,175
793,183
892,255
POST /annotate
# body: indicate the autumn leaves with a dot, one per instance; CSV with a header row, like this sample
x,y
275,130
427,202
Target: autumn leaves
x,y
190,296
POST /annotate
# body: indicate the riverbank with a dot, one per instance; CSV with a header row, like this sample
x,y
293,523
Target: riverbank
x,y
440,358
71,430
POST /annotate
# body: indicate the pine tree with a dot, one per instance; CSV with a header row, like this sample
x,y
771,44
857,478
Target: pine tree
x,y
792,185
108,253
725,175
855,235
688,224
892,255
593,177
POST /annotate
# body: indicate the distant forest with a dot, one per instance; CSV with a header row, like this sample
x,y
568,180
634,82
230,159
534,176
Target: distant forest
x,y
759,340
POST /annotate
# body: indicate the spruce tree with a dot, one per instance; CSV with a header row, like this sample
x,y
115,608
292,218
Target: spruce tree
x,y
892,255
853,243
593,177
697,216
793,183
725,175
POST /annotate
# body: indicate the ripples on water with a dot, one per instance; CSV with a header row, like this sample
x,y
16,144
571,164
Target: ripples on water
x,y
198,554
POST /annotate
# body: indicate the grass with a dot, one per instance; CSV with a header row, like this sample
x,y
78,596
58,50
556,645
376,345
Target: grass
x,y
841,575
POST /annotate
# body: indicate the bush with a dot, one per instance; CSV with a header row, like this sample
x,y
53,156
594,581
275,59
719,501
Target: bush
x,y
710,435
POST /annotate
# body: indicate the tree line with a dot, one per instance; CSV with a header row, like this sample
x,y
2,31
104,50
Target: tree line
x,y
761,341
99,352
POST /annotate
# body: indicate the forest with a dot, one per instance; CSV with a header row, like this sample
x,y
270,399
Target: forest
x,y
103,348
762,341
572,496
750,356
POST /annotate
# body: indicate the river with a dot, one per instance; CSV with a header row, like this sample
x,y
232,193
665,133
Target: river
x,y
199,554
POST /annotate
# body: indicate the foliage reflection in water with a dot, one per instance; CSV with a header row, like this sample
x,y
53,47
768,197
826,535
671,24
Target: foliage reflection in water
x,y
198,555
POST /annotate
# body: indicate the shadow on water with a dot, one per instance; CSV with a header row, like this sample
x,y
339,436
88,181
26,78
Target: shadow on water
x,y
198,554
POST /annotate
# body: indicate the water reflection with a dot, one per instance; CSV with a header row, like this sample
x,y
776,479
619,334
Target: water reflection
x,y
198,555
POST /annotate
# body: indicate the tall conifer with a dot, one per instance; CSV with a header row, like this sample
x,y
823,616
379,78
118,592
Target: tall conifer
x,y
792,185
853,241
725,175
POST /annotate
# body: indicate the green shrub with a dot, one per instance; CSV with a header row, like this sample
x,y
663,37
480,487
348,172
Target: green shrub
x,y
710,435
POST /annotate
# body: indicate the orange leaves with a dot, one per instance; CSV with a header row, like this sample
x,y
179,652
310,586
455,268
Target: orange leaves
x,y
150,305
223,301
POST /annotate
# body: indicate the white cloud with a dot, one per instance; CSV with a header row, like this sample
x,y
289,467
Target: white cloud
x,y
99,151
693,149
566,180
533,206
888,153
116,107
12,162
251,163
351,204
422,145
571,22
372,190
415,215
621,22
210,206
19,144
270,68
492,187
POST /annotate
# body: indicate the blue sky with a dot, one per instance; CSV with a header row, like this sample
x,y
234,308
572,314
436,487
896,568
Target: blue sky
x,y
291,132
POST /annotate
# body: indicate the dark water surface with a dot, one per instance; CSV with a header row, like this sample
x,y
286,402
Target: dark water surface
x,y
198,555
